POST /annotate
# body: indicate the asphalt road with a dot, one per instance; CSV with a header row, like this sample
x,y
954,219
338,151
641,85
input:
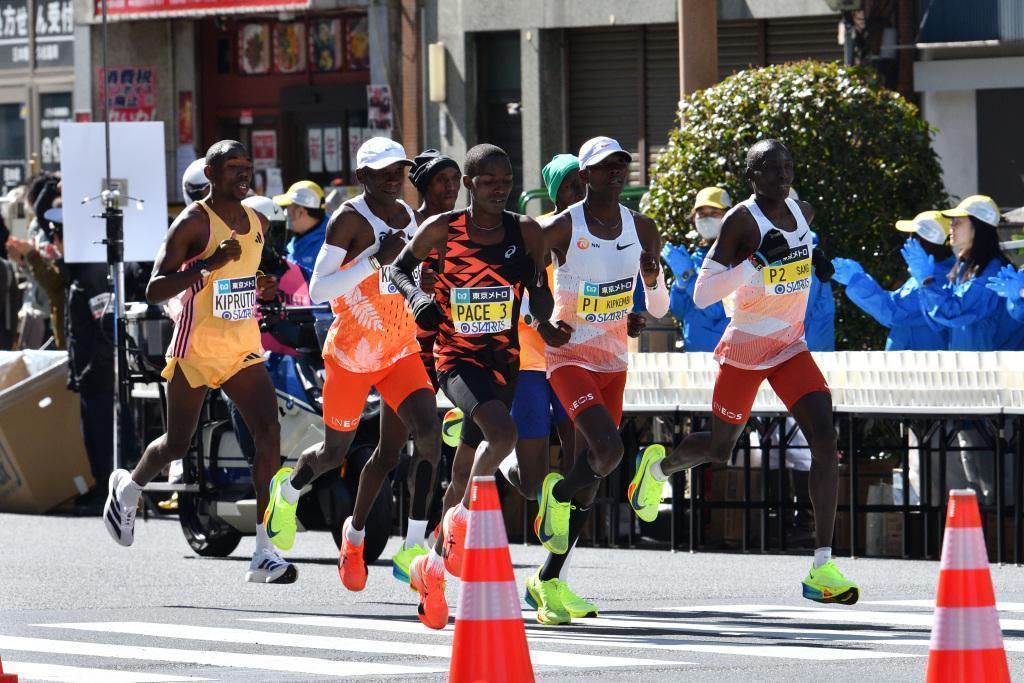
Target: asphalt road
x,y
74,606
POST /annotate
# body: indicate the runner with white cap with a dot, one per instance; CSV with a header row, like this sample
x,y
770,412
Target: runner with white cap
x,y
372,343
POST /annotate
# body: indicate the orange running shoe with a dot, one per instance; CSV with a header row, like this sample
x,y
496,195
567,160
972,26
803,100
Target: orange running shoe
x,y
351,567
433,607
454,530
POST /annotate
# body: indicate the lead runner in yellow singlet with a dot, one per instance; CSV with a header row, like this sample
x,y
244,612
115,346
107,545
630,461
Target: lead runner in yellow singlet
x,y
206,274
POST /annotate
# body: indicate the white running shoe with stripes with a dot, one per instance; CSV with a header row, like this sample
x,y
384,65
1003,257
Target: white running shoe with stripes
x,y
269,567
118,514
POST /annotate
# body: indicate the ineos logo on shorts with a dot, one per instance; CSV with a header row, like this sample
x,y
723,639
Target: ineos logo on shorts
x,y
719,408
581,400
582,243
344,424
510,251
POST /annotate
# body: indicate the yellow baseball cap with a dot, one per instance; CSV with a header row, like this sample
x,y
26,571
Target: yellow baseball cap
x,y
304,193
712,196
932,226
977,205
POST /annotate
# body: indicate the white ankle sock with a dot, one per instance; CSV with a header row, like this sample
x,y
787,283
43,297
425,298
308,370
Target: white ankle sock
x,y
563,573
416,532
506,465
289,492
262,540
656,472
822,555
353,535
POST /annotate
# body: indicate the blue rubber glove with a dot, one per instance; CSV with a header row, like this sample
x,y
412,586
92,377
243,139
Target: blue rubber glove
x,y
678,260
920,263
846,268
1008,283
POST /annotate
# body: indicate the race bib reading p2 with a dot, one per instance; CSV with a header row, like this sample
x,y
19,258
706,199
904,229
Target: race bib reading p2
x,y
791,274
600,302
234,298
482,310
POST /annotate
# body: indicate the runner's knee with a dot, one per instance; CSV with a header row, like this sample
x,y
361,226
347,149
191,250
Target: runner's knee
x,y
607,453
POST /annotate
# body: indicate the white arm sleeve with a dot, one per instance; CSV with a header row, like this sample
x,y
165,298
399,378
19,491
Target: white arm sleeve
x,y
657,296
330,280
715,281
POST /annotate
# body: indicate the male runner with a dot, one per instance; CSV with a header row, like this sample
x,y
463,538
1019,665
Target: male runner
x,y
208,267
372,343
486,257
599,247
764,256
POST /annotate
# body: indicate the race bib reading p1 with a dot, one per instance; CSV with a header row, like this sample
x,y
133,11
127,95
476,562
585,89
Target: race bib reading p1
x,y
790,274
234,298
600,302
482,310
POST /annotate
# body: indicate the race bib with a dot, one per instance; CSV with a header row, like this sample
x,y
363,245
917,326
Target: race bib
x,y
234,298
482,310
789,275
600,302
386,286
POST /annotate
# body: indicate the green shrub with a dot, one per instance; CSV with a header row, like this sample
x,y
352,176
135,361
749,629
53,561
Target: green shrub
x,y
862,156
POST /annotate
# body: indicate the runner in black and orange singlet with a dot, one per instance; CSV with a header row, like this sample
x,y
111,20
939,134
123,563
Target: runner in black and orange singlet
x,y
486,256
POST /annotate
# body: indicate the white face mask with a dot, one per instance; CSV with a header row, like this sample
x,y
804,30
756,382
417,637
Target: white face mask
x,y
708,227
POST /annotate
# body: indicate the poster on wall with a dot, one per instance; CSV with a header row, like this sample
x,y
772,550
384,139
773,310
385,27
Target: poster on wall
x,y
357,43
55,26
315,149
332,150
186,116
264,149
55,109
378,108
131,90
254,49
14,52
325,40
289,47
12,174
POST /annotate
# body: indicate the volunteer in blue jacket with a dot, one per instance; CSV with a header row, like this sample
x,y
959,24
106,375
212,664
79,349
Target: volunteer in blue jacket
x,y
307,223
975,316
900,310
702,328
1009,284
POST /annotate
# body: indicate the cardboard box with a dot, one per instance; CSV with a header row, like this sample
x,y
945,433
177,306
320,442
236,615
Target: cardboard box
x,y
43,462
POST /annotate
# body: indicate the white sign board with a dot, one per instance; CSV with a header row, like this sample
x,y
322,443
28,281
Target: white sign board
x,y
137,160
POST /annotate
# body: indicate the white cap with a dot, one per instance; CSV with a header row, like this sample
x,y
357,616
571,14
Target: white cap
x,y
978,205
380,152
266,206
194,178
597,149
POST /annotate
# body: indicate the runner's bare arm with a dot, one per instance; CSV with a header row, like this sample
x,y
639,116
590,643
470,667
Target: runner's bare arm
x,y
557,233
727,265
348,236
185,240
655,291
541,301
431,236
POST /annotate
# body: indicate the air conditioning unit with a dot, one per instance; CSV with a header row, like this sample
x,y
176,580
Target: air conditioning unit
x,y
845,5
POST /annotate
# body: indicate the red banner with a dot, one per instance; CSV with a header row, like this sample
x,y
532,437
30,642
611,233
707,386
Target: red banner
x,y
136,9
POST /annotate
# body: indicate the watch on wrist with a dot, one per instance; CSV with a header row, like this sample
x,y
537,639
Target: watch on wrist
x,y
203,267
374,262
531,320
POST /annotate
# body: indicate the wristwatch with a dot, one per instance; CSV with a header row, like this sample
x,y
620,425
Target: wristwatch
x,y
201,266
374,262
531,320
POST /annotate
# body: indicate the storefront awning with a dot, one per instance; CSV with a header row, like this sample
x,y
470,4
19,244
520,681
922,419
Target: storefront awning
x,y
158,9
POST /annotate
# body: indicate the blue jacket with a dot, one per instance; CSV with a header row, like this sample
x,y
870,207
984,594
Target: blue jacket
x,y
972,313
901,311
702,328
303,249
820,320
1015,306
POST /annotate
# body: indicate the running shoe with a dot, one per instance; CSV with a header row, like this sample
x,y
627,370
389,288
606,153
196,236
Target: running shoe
x,y
645,492
269,567
279,518
433,607
552,523
827,584
351,566
577,607
402,559
454,529
119,517
543,596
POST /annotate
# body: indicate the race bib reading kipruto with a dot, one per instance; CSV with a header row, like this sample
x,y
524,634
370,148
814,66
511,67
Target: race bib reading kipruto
x,y
790,274
234,298
482,310
600,302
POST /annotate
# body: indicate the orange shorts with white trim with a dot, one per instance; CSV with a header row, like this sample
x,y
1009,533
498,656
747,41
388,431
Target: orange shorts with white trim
x,y
210,372
345,391
579,388
736,388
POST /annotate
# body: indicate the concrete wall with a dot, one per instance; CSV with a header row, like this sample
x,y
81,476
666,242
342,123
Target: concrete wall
x,y
954,114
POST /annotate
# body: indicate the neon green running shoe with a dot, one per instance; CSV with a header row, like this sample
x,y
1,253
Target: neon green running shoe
x,y
827,584
279,519
402,559
577,607
543,597
645,491
552,523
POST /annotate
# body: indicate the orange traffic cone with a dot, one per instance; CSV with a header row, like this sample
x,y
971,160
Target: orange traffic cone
x,y
7,678
967,643
490,640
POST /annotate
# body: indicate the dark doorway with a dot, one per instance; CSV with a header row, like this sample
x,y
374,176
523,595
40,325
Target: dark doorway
x,y
499,86
1000,146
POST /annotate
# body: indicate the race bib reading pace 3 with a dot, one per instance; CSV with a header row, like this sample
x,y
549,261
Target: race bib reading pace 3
x,y
600,302
482,310
234,298
790,274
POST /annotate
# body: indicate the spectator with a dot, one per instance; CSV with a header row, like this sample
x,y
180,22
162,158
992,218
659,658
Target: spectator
x,y
48,269
820,321
307,221
1009,284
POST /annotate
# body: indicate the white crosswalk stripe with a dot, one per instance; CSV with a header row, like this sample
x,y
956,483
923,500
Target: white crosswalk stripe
x,y
33,671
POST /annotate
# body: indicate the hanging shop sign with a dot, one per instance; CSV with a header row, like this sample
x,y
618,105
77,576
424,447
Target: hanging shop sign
x,y
132,92
14,50
143,9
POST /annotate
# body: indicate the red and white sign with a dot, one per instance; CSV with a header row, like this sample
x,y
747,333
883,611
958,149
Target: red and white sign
x,y
332,150
264,148
315,147
141,9
130,92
